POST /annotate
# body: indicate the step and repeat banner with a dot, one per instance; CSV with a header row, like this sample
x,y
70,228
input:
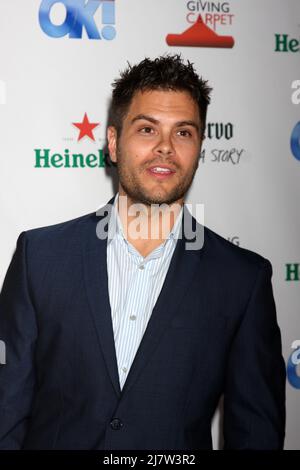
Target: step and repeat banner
x,y
57,62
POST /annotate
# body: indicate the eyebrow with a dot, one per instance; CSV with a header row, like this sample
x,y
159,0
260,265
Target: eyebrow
x,y
146,117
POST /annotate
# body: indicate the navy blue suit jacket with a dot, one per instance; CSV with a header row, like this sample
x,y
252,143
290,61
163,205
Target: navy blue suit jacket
x,y
213,332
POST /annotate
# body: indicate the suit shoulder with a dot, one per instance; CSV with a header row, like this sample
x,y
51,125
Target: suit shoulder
x,y
231,256
62,236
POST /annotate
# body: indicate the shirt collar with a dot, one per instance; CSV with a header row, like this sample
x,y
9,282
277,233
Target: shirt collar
x,y
114,224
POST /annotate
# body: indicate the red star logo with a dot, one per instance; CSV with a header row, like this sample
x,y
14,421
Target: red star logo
x,y
86,128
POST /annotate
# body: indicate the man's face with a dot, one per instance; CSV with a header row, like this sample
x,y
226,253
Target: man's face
x,y
158,149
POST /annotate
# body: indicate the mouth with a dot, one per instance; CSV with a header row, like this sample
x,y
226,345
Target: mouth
x,y
161,172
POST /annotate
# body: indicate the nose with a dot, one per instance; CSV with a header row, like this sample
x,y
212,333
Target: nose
x,y
164,146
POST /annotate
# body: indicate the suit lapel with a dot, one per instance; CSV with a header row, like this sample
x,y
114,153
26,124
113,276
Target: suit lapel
x,y
96,281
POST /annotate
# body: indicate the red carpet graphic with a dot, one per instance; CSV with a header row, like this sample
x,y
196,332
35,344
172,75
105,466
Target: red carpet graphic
x,y
199,35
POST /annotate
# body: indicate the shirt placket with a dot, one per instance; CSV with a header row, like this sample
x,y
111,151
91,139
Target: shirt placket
x,y
135,314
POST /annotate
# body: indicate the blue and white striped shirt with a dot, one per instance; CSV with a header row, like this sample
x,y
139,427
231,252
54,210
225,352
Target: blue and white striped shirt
x,y
134,284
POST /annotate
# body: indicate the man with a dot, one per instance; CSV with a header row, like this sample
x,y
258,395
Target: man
x,y
117,339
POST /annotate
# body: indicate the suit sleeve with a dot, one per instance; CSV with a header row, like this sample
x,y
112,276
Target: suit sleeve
x,y
18,332
254,398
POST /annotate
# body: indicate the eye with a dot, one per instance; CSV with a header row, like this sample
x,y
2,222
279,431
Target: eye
x,y
146,130
184,133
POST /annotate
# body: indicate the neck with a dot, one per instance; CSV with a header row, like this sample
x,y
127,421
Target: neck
x,y
147,224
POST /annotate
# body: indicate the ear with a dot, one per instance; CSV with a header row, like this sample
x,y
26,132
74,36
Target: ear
x,y
112,143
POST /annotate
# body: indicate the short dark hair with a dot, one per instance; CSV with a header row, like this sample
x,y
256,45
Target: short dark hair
x,y
167,72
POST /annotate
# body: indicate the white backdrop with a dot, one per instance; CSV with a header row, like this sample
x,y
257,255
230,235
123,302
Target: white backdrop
x,y
47,84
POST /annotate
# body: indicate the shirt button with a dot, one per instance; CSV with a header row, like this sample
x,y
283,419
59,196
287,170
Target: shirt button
x,y
116,424
141,266
124,369
132,317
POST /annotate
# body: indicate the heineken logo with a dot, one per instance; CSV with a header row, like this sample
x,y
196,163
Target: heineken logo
x,y
75,157
86,128
46,158
284,43
292,272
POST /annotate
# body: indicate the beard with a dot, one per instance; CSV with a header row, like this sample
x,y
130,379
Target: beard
x,y
136,191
